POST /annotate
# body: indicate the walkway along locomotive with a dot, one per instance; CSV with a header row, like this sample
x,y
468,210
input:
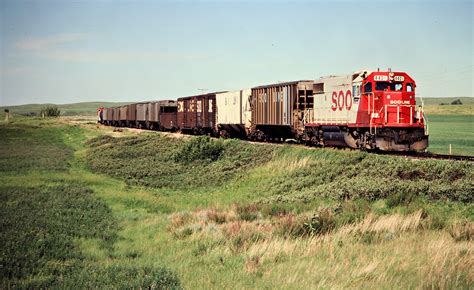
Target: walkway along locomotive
x,y
363,110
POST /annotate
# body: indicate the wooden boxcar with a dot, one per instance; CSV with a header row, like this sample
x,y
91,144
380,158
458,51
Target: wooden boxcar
x,y
197,114
278,110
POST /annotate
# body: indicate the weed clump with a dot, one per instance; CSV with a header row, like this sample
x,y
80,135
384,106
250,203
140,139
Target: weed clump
x,y
462,231
201,148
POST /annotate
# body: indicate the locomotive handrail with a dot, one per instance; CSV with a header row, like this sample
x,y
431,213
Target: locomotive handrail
x,y
370,110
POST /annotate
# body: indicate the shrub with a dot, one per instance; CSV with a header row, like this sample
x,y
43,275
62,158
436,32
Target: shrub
x,y
201,148
456,102
50,111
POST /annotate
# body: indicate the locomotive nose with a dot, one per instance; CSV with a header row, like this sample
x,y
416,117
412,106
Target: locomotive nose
x,y
398,108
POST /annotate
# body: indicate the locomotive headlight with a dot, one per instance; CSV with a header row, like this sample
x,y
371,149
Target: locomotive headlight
x,y
411,97
388,97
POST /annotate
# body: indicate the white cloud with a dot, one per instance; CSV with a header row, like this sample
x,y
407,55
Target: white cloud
x,y
50,47
49,42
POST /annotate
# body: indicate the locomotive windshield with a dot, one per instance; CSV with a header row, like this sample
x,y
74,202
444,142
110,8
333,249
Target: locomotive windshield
x,y
384,86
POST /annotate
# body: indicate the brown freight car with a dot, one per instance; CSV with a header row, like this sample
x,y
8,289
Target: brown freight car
x,y
168,110
162,115
197,114
142,115
123,114
279,110
116,116
131,115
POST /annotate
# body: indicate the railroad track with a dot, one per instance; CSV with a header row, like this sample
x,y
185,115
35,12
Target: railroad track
x,y
428,155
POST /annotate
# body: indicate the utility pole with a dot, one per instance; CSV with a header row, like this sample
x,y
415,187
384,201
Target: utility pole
x,y
7,115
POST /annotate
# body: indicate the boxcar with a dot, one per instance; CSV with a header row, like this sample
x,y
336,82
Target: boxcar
x,y
107,116
131,115
123,114
197,114
233,116
116,116
279,110
162,115
142,115
167,112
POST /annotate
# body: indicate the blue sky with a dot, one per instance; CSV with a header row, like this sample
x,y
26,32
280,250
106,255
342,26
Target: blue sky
x,y
63,51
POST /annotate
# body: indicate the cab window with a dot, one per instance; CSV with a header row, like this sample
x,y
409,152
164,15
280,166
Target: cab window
x,y
409,87
385,86
368,88
356,93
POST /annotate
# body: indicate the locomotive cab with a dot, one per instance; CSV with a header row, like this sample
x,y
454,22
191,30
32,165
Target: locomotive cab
x,y
393,118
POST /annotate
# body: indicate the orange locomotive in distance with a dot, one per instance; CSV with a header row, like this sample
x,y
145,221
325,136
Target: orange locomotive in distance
x,y
371,110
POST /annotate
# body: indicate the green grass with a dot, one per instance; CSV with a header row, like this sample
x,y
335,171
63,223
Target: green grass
x,y
457,130
49,214
450,124
297,173
229,214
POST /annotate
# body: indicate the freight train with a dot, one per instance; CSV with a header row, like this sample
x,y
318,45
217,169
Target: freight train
x,y
369,110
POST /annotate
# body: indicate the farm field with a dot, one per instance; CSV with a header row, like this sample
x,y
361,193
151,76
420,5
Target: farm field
x,y
128,209
457,130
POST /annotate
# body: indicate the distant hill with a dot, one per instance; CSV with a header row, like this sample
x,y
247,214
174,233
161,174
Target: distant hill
x,y
75,109
433,106
438,101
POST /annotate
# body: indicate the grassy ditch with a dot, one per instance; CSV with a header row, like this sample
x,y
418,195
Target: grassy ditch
x,y
48,215
282,173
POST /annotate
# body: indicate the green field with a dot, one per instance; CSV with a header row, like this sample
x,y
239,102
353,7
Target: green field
x,y
86,207
457,130
76,109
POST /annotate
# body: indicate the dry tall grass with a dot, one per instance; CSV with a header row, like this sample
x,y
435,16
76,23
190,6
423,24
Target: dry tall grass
x,y
385,251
